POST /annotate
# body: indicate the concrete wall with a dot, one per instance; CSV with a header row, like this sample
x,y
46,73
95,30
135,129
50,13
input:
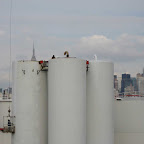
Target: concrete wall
x,y
5,138
129,122
129,138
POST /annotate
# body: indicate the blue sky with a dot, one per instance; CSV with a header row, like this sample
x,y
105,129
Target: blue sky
x,y
111,29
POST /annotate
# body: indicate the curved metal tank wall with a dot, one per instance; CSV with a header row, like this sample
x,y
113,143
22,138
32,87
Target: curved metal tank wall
x,y
99,103
29,103
67,101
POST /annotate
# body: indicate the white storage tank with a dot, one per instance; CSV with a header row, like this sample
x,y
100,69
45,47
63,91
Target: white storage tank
x,y
67,101
29,103
100,102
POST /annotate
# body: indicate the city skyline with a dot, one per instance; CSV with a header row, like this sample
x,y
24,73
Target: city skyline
x,y
126,85
113,30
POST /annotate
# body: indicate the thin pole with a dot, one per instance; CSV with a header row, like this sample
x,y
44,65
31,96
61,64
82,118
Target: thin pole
x,y
10,43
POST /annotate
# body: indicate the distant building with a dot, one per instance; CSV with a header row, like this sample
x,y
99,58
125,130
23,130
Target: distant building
x,y
33,56
129,89
119,83
143,72
115,83
116,93
1,90
139,75
134,83
126,81
1,95
140,83
7,93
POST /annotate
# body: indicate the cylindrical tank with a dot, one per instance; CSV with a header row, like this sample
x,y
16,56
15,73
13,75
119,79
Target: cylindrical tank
x,y
67,101
99,103
29,103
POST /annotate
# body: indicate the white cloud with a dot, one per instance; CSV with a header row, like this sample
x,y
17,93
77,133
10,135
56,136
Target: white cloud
x,y
124,48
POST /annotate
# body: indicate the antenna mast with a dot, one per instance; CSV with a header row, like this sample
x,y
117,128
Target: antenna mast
x,y
10,43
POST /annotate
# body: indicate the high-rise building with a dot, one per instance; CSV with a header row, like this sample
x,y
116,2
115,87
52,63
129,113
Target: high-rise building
x,y
115,83
126,81
119,83
140,83
134,83
33,56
